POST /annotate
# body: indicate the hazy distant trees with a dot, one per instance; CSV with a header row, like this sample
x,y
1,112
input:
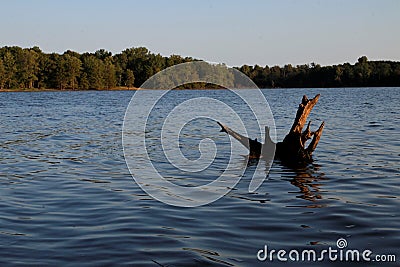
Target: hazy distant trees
x,y
31,68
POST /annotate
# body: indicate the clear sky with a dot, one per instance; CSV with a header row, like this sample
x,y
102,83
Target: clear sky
x,y
233,32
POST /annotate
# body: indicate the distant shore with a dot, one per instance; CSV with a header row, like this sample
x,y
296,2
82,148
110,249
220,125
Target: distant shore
x,y
66,90
135,89
32,68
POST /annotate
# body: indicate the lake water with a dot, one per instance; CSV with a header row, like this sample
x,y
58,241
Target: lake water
x,y
67,196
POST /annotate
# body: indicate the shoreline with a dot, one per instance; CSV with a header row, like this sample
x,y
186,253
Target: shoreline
x,y
68,90
136,89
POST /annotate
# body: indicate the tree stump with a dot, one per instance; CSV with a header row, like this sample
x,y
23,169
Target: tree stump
x,y
292,150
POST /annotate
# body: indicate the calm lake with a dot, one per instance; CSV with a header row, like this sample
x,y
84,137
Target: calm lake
x,y
67,196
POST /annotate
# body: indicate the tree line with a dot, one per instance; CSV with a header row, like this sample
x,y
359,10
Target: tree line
x,y
363,73
32,68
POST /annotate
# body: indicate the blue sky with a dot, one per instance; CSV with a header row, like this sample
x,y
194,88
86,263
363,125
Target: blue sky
x,y
232,32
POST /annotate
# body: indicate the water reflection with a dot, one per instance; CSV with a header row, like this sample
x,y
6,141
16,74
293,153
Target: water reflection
x,y
307,178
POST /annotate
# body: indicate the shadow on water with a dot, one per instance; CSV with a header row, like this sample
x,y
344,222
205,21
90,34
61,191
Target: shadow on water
x,y
307,178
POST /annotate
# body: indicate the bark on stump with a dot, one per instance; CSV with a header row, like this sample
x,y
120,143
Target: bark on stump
x,y
292,149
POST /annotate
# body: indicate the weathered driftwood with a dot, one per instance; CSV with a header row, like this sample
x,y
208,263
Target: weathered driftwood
x,y
293,148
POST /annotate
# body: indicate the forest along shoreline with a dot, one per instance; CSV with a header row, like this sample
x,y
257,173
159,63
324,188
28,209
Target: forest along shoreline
x,y
35,70
135,89
67,90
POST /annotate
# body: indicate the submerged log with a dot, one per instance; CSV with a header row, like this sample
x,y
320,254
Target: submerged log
x,y
292,150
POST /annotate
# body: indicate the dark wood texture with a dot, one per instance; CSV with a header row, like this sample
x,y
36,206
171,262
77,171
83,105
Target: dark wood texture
x,y
292,149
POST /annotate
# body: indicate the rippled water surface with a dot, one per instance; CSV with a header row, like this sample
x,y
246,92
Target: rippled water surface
x,y
67,197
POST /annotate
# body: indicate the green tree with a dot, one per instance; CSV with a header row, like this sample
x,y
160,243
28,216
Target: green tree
x,y
28,66
68,71
247,70
72,68
84,82
138,62
275,76
155,64
339,74
363,71
287,70
102,54
2,74
10,69
174,60
61,73
130,79
109,75
48,71
383,71
94,69
362,60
